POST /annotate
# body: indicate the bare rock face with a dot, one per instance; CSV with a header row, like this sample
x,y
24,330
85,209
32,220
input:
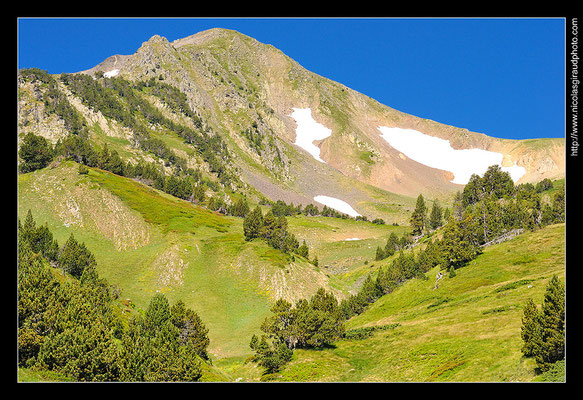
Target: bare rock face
x,y
32,115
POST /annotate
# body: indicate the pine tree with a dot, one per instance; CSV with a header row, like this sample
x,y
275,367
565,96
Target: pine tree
x,y
458,206
157,313
271,357
35,152
531,329
198,194
75,257
473,191
380,254
192,330
253,224
27,231
418,217
497,183
269,226
303,250
457,246
392,245
552,347
558,206
543,332
435,217
240,208
446,214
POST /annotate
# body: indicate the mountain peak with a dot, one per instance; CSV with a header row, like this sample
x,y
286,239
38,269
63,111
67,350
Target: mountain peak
x,y
205,36
255,87
157,39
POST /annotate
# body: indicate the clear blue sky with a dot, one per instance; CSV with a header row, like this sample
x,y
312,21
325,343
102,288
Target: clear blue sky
x,y
502,77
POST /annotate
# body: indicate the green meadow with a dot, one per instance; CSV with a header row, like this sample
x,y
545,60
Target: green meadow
x,y
467,329
146,241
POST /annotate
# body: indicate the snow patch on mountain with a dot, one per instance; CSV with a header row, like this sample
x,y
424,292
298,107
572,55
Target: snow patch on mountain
x,y
111,73
438,153
337,204
308,130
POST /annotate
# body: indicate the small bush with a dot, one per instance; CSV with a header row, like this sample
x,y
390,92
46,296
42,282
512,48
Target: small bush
x,y
83,170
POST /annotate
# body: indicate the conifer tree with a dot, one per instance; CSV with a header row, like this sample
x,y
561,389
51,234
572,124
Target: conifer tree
x,y
457,246
271,357
192,331
446,214
473,191
380,254
458,206
418,217
27,231
552,347
303,250
496,182
269,225
531,329
543,332
558,206
35,152
75,257
253,224
157,313
392,245
240,208
435,217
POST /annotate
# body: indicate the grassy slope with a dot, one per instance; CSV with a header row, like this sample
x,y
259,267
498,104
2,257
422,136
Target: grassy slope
x,y
466,330
146,241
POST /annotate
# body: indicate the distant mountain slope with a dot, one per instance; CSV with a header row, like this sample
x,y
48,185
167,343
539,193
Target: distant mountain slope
x,y
246,92
236,81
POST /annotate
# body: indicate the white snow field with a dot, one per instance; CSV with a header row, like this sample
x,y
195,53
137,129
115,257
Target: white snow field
x,y
350,239
111,73
337,204
438,153
309,130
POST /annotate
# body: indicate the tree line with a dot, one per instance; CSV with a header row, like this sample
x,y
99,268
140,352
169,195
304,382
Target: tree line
x,y
491,206
187,184
274,230
75,326
136,113
496,205
280,207
119,99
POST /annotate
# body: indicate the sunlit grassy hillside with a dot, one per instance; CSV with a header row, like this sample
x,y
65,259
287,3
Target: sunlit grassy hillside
x,y
146,241
466,330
